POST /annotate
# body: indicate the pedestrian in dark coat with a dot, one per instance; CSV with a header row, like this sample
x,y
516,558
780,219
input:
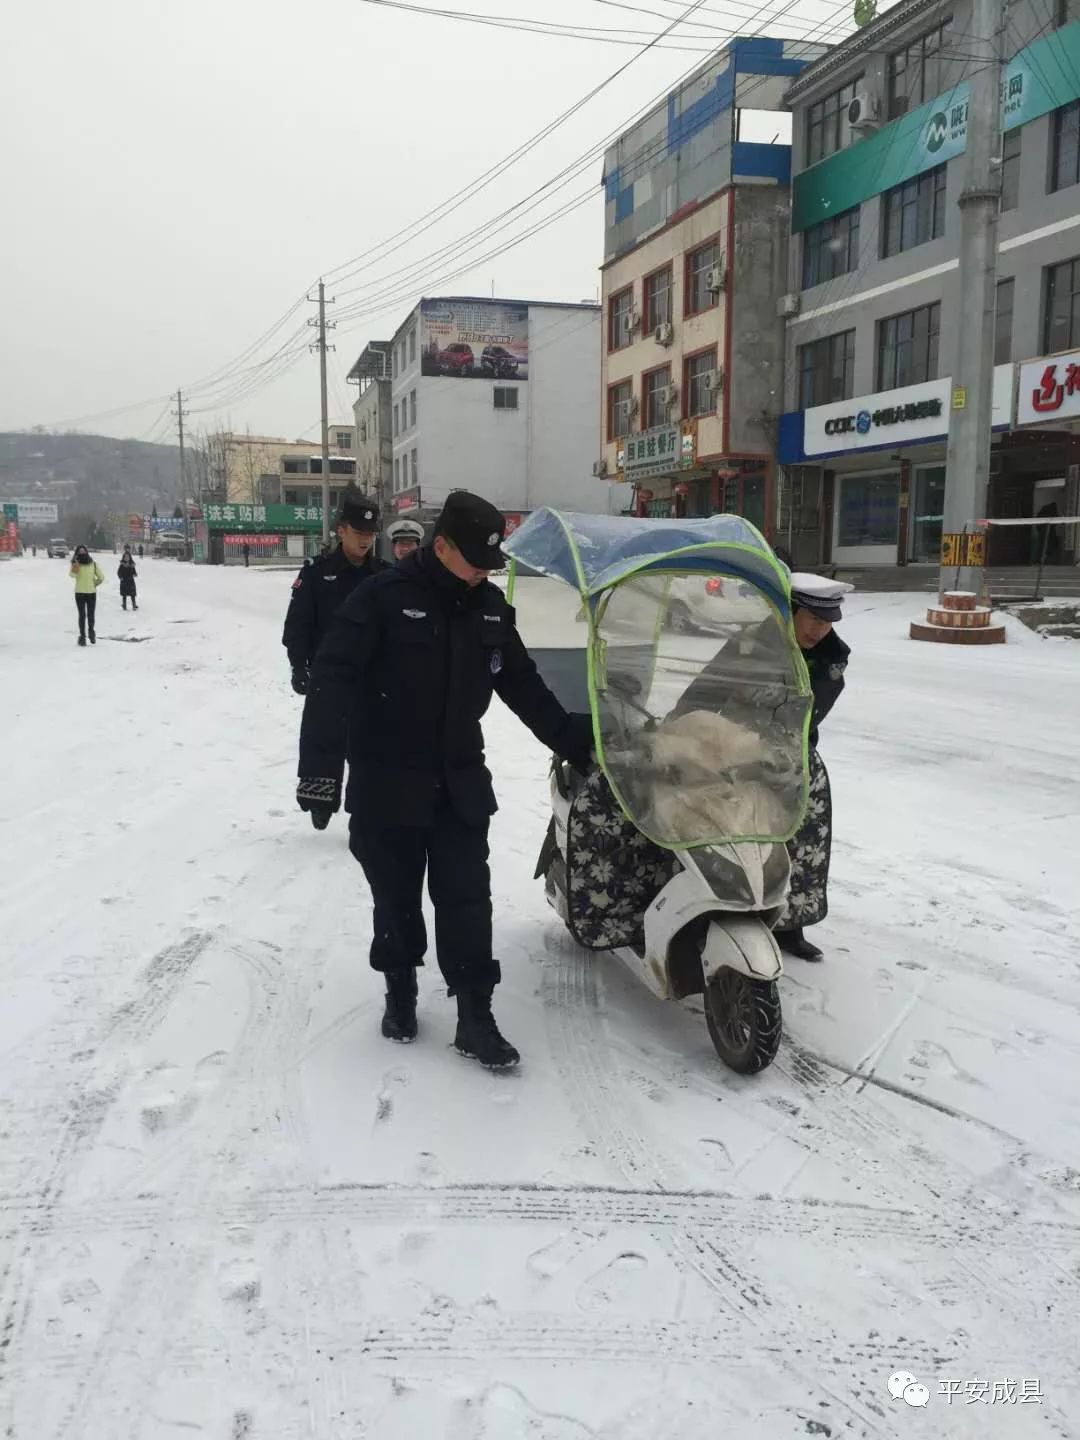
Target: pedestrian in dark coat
x,y
415,656
127,572
816,606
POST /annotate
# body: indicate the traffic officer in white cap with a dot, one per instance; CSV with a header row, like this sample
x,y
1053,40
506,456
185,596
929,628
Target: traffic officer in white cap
x,y
816,607
405,536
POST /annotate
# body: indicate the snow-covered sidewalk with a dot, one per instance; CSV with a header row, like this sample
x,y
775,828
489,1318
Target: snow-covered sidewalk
x,y
229,1209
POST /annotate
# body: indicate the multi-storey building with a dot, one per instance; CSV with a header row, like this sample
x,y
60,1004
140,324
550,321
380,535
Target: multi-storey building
x,y
498,397
874,321
695,235
371,414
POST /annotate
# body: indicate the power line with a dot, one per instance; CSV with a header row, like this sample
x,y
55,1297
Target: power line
x,y
591,34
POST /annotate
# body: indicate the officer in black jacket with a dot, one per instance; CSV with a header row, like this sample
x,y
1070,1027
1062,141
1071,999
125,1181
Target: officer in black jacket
x,y
321,588
415,656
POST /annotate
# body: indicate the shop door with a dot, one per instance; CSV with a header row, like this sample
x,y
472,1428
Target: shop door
x,y
929,512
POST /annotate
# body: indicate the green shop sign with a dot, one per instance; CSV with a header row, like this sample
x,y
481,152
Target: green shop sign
x,y
250,519
1036,81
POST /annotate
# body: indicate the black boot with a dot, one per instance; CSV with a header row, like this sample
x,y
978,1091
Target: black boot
x,y
794,942
399,1017
477,1034
82,639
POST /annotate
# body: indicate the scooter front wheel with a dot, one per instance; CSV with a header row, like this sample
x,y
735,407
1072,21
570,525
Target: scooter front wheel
x,y
743,1016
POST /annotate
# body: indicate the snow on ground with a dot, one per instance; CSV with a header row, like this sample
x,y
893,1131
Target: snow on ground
x,y
229,1209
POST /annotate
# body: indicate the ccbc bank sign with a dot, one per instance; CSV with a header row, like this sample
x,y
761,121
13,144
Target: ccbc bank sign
x,y
866,420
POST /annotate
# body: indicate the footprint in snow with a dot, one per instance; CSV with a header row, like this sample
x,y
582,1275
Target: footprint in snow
x,y
624,1281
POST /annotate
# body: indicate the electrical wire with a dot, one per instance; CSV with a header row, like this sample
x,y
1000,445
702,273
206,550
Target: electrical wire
x,y
590,34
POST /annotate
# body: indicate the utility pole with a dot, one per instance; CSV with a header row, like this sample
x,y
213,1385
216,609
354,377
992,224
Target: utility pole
x,y
322,348
972,403
180,412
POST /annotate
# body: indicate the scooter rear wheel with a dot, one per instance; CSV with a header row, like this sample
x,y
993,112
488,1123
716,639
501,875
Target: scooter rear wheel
x,y
743,1017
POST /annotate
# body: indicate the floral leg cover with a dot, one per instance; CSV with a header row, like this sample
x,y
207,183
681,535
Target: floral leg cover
x,y
614,871
808,900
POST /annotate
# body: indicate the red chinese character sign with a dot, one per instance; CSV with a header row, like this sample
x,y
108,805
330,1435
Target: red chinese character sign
x,y
1049,389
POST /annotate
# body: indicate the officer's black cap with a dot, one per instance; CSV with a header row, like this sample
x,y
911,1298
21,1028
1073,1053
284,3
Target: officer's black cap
x,y
475,527
360,512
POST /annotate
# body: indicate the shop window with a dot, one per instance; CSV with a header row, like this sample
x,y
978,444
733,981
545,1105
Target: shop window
x,y
1010,169
831,249
869,512
656,403
1003,322
914,213
917,72
698,264
908,348
827,129
929,514
620,399
827,370
700,396
1061,320
658,298
620,319
1065,156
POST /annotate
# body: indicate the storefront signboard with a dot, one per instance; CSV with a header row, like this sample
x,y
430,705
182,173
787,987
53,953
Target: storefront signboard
x,y
1040,78
910,416
660,451
1049,389
252,518
406,501
892,417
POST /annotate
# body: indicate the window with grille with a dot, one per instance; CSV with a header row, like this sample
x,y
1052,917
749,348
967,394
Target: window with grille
x,y
831,248
620,399
827,128
698,264
620,313
917,72
827,370
658,298
908,347
656,404
914,213
1010,169
1065,157
412,407
1061,319
700,396
505,397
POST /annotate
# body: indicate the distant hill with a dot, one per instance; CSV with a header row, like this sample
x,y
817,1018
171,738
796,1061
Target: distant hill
x,y
91,476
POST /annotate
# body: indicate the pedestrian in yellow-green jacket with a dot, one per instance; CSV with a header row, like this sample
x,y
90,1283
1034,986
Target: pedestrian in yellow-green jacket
x,y
88,575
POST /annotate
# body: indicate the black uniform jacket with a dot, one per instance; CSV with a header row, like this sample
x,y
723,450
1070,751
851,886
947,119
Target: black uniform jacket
x,y
318,593
826,663
413,659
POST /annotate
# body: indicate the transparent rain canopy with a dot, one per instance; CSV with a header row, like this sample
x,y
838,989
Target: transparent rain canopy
x,y
699,695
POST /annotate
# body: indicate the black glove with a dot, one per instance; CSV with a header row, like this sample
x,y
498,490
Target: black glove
x,y
321,798
577,742
300,679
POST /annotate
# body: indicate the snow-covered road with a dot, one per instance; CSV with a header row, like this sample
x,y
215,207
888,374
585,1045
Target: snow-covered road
x,y
229,1209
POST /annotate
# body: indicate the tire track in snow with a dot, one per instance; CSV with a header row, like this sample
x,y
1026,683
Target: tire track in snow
x,y
569,991
83,1106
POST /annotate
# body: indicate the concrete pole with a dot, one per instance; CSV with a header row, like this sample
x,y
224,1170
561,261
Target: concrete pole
x,y
970,428
325,417
183,469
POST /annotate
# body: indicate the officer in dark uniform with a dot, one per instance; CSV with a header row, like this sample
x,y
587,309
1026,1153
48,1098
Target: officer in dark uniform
x,y
321,589
415,657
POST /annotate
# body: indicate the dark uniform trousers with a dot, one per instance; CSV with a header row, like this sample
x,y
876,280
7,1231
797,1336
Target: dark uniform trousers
x,y
455,856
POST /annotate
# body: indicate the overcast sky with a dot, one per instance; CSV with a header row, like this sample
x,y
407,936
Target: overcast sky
x,y
175,174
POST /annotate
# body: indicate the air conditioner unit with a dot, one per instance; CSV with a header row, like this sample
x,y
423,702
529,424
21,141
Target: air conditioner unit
x,y
716,277
664,334
599,468
635,319
714,380
668,394
788,306
864,111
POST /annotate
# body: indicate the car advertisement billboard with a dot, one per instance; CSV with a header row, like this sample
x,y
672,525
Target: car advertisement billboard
x,y
475,339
